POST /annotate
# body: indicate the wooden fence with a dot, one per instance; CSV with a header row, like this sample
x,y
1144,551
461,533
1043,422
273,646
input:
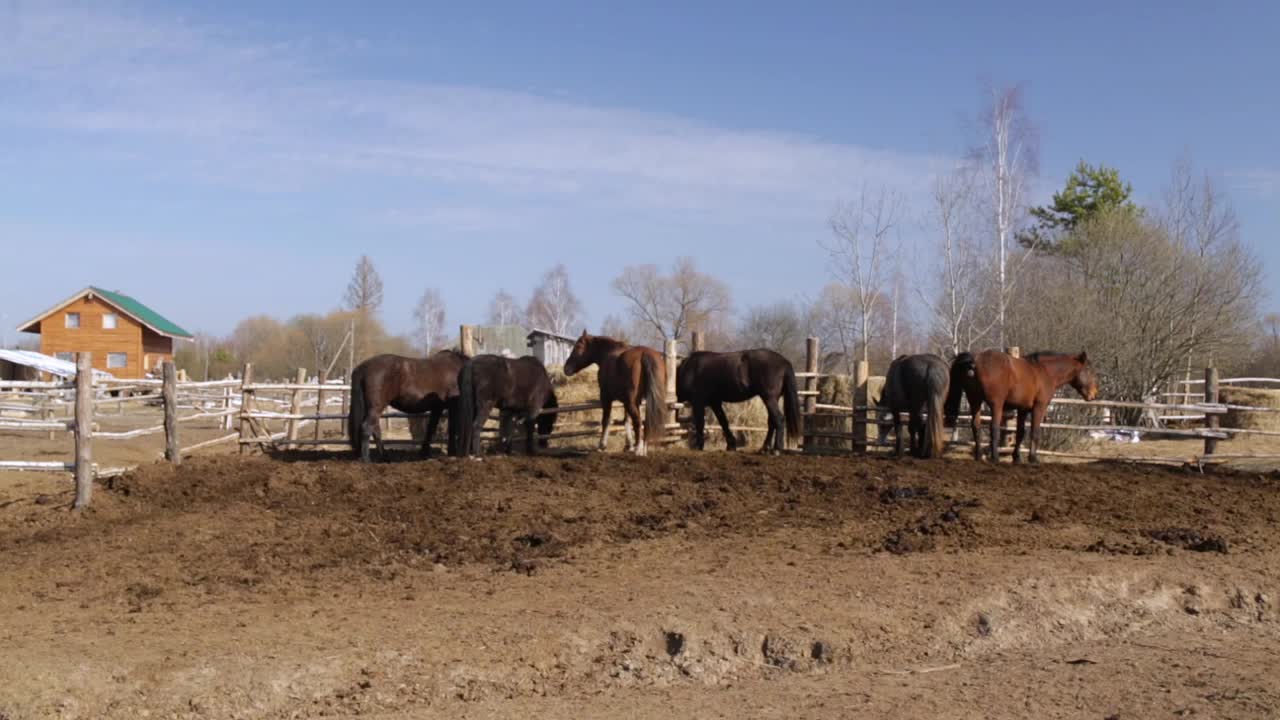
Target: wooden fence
x,y
259,415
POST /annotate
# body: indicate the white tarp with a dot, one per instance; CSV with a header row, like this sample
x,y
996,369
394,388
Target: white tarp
x,y
45,363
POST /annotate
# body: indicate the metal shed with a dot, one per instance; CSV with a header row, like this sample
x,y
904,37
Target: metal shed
x,y
551,348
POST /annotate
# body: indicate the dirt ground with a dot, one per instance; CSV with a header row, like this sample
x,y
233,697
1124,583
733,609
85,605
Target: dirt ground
x,y
607,586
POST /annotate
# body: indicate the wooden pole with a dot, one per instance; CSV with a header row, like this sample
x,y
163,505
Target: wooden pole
x,y
1211,421
227,422
696,343
295,406
324,378
246,429
810,384
169,394
673,359
467,340
84,429
351,351
860,374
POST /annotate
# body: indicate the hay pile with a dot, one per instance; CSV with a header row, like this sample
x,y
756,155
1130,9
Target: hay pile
x,y
1255,397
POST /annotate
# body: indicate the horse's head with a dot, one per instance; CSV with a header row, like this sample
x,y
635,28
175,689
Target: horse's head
x,y
1086,380
579,358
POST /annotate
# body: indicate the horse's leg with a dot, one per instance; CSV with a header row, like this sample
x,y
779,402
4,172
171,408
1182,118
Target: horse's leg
x,y
1033,446
975,426
482,416
897,434
1017,439
916,429
774,434
606,411
433,422
506,425
997,427
717,407
699,424
371,429
633,414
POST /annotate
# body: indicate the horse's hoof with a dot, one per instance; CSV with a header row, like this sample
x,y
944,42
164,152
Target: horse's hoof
x,y
1034,460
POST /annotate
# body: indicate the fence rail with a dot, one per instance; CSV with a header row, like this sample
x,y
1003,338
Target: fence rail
x,y
248,409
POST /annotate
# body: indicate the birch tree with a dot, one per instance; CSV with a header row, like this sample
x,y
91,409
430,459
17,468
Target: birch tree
x,y
1009,155
554,306
428,321
863,232
503,310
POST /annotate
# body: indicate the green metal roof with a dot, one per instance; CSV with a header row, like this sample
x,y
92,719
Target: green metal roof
x,y
143,313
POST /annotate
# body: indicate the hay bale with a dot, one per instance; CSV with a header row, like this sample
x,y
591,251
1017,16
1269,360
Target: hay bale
x,y
1254,397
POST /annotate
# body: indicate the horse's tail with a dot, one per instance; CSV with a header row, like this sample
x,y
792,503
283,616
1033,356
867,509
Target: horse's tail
x,y
547,421
357,411
791,407
655,380
936,385
963,370
466,405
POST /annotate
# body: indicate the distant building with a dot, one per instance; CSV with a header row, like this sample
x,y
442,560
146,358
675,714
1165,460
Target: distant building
x,y
551,348
127,338
505,340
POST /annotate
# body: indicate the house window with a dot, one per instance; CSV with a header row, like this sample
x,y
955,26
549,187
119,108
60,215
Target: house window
x,y
69,357
117,360
109,321
73,320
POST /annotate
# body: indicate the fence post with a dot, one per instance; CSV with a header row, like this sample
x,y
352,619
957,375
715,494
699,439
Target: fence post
x,y
467,340
696,343
1211,421
810,385
324,378
295,407
226,407
84,429
246,430
860,400
169,396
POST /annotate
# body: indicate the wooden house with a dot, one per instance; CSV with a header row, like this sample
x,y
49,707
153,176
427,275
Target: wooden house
x,y
551,348
127,339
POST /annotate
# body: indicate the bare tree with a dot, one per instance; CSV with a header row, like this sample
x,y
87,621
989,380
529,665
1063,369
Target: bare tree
x,y
503,310
364,290
952,307
667,307
779,327
613,327
1009,154
861,235
553,306
428,321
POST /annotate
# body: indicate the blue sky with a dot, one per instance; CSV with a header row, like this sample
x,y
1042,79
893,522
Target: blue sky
x,y
224,159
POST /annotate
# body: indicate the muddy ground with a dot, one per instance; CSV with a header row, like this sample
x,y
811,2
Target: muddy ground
x,y
681,585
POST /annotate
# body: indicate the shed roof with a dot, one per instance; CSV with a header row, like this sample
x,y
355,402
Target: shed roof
x,y
125,304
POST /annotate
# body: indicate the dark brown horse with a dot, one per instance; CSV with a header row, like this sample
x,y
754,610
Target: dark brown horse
x,y
709,379
519,387
410,385
628,375
915,384
1026,385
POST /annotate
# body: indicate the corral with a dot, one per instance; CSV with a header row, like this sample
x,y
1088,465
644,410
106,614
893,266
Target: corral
x,y
712,585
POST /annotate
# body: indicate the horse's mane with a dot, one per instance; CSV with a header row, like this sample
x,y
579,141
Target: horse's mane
x,y
1046,355
456,353
609,342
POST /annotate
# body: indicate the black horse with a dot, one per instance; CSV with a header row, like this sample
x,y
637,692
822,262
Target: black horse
x,y
518,387
410,385
708,379
916,384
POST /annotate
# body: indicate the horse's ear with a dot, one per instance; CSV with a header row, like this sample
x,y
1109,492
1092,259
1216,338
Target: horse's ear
x,y
1083,357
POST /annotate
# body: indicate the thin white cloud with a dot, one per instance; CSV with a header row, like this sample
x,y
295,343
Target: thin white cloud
x,y
212,105
1262,182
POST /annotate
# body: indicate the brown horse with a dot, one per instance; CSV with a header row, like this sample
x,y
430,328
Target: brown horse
x,y
410,385
1026,385
628,375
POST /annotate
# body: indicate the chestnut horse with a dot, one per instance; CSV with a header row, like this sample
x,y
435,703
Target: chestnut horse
x,y
628,374
410,385
1024,384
